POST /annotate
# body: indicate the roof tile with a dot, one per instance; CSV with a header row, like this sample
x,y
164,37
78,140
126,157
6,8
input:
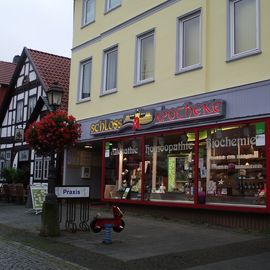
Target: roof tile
x,y
6,72
53,68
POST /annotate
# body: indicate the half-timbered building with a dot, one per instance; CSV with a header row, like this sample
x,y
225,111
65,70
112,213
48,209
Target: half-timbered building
x,y
6,72
26,101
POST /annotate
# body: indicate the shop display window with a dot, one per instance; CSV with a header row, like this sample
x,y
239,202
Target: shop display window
x,y
169,168
232,165
123,170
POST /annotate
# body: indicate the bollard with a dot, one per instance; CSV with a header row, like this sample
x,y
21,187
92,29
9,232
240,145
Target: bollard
x,y
107,236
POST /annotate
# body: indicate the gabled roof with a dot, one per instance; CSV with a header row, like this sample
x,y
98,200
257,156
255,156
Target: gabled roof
x,y
51,68
6,71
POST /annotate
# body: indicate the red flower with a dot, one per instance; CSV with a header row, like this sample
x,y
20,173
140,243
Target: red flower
x,y
53,132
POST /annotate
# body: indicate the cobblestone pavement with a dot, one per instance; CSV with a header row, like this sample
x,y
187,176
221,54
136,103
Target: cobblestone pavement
x,y
146,243
34,252
15,256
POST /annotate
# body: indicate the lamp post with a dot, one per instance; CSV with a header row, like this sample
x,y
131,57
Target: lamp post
x,y
55,94
49,220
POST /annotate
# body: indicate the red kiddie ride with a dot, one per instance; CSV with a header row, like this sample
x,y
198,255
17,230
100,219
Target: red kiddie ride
x,y
118,224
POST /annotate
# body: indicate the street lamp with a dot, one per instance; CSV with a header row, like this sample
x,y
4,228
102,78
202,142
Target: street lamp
x,y
50,225
55,94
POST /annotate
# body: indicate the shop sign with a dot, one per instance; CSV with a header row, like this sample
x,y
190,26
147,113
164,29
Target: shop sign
x,y
126,151
189,111
260,128
141,119
24,155
260,134
19,134
106,126
38,194
136,121
149,149
181,146
72,192
230,142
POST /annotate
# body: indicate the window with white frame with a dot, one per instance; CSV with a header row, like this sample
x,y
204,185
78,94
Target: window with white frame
x,y
46,167
41,168
189,42
31,104
243,28
110,70
2,162
19,111
145,57
111,4
85,79
88,11
2,166
38,169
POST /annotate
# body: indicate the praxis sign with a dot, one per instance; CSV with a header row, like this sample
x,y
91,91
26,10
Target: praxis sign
x,y
72,192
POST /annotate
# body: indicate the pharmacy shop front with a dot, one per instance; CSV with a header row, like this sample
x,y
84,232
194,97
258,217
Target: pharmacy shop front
x,y
206,151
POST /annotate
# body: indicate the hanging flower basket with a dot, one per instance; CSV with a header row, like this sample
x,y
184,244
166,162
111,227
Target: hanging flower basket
x,y
53,133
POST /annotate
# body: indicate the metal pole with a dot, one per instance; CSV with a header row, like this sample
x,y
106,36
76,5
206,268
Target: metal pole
x,y
49,219
51,175
107,237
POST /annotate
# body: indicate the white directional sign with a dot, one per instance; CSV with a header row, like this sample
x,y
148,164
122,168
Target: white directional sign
x,y
72,192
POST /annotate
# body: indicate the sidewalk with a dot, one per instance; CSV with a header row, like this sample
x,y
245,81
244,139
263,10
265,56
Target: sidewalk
x,y
150,241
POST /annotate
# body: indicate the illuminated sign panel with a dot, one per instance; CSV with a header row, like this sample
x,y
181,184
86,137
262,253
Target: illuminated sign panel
x,y
144,120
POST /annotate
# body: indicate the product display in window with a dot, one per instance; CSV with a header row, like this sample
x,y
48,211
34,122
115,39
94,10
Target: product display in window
x,y
236,164
123,170
170,176
231,167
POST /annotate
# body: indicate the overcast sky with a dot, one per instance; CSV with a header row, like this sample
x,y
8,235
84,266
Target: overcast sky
x,y
43,25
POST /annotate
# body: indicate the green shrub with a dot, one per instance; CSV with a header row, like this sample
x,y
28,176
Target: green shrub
x,y
13,175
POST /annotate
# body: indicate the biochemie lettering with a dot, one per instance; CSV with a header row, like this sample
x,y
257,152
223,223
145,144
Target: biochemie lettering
x,y
230,142
168,148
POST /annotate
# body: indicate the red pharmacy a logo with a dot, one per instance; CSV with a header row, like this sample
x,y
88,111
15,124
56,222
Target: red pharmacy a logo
x,y
136,123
